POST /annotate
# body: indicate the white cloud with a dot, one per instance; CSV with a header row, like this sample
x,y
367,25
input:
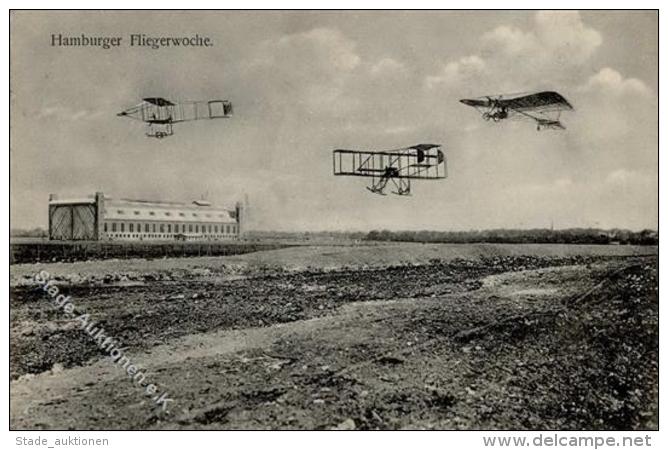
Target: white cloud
x,y
66,113
610,81
623,177
551,51
555,35
611,107
309,68
457,71
387,66
563,182
314,49
509,40
397,130
564,33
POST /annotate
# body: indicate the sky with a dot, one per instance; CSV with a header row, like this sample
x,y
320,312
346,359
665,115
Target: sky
x,y
305,83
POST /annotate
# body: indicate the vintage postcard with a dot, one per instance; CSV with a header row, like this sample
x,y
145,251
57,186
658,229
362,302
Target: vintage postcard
x,y
334,220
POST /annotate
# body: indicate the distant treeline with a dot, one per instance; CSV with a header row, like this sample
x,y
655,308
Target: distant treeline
x,y
535,236
307,235
499,236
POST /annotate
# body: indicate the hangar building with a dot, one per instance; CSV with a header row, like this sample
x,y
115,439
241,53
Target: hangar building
x,y
100,218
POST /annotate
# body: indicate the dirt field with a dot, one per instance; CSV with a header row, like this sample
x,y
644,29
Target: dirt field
x,y
371,337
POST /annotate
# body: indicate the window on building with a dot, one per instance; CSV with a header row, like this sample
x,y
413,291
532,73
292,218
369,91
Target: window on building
x,y
190,228
162,227
120,211
167,213
136,213
151,213
105,227
215,229
169,228
122,227
146,230
132,228
196,228
153,228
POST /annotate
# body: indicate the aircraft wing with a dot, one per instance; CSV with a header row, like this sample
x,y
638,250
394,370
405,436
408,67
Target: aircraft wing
x,y
422,147
541,101
475,102
158,101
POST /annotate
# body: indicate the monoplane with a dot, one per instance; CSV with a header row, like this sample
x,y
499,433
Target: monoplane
x,y
160,114
399,167
543,108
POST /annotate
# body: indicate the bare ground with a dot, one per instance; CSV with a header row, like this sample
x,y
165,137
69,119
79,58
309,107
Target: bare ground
x,y
502,342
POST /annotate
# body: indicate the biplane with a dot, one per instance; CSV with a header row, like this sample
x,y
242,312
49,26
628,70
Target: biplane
x,y
543,108
160,114
399,167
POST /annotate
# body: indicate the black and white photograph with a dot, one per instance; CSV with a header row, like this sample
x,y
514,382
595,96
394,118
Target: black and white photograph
x,y
334,220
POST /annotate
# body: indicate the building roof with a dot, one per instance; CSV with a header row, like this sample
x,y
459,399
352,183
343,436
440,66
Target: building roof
x,y
128,209
149,210
70,201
